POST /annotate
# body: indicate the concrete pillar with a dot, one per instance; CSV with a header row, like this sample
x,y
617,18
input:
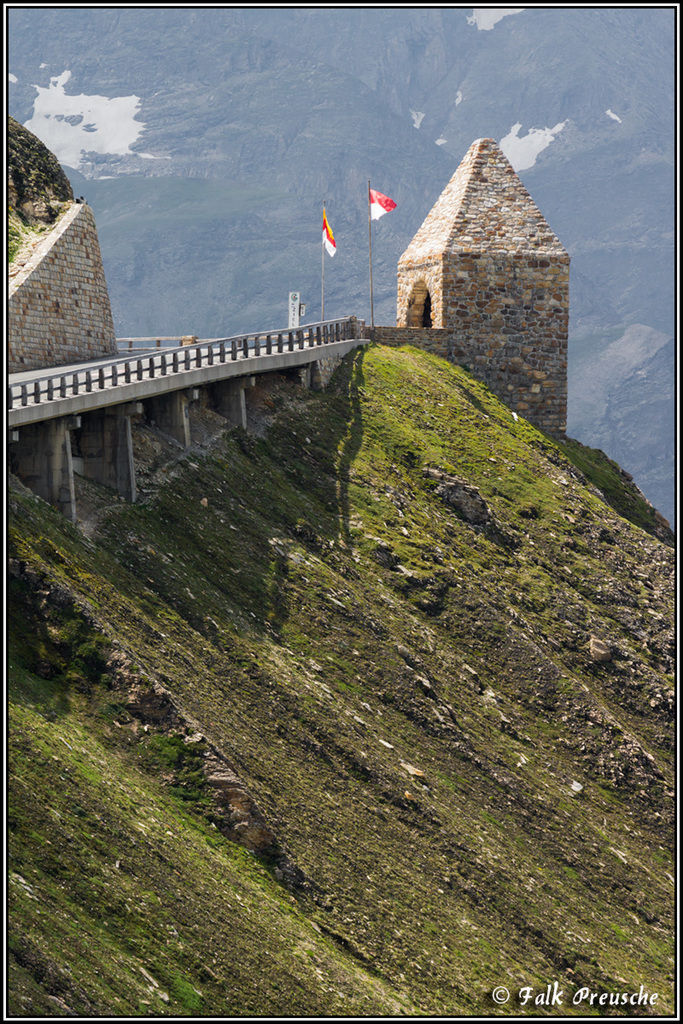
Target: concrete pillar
x,y
171,414
107,448
305,376
229,400
317,382
42,457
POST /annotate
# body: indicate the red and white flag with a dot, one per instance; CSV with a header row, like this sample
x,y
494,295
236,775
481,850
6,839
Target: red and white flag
x,y
379,204
328,237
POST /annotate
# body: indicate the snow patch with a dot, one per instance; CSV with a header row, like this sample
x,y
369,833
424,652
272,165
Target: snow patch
x,y
441,142
71,125
417,117
486,17
614,117
458,98
12,78
522,152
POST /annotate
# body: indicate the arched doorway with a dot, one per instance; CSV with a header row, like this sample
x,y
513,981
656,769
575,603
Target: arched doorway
x,y
419,306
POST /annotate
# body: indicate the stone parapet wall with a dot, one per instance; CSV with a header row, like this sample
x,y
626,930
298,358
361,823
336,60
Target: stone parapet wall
x,y
434,340
59,310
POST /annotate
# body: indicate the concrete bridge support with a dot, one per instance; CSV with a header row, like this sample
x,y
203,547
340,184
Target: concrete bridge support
x,y
171,413
107,448
306,376
229,400
78,422
42,460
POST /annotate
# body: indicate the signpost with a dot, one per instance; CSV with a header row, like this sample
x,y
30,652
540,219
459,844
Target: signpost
x,y
297,309
294,310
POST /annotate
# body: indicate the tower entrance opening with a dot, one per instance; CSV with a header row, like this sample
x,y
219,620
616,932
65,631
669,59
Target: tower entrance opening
x,y
419,306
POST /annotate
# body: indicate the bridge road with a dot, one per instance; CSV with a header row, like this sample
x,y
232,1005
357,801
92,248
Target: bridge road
x,y
36,395
95,400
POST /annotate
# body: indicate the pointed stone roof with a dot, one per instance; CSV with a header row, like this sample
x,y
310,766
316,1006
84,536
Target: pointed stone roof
x,y
484,207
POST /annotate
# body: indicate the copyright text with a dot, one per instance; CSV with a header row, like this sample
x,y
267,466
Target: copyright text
x,y
553,995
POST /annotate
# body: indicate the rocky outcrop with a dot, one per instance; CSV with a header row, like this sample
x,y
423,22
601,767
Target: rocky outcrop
x,y
233,810
462,497
37,187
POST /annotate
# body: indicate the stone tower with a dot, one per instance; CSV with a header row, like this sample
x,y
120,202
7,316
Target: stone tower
x,y
486,269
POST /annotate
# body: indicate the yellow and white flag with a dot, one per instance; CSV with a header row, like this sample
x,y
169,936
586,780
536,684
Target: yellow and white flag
x,y
328,237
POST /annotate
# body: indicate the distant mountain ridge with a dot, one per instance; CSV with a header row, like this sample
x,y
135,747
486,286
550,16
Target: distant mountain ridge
x,y
303,107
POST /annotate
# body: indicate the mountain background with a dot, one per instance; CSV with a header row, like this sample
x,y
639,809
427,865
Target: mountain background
x,y
208,140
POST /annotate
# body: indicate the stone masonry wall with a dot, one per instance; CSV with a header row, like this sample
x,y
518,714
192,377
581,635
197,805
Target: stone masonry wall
x,y
509,316
415,281
323,370
505,316
529,377
59,310
486,270
434,340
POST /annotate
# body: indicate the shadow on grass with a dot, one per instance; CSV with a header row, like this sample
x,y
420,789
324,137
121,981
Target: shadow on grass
x,y
350,444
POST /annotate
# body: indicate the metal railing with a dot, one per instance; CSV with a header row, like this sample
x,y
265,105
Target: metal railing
x,y
68,383
146,344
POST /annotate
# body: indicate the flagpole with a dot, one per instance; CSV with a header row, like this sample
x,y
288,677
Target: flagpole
x,y
372,308
323,245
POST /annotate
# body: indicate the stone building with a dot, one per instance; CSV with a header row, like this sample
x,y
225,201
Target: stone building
x,y
486,282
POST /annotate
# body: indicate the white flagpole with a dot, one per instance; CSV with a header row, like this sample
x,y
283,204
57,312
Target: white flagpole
x,y
372,308
323,243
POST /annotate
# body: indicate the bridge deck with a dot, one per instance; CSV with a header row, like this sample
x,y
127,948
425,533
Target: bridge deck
x,y
38,395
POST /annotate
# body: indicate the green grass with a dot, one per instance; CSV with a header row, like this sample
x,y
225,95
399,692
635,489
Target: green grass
x,y
604,473
324,620
19,232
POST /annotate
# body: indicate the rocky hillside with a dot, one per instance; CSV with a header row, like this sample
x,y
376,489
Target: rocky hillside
x,y
36,184
366,712
207,142
37,188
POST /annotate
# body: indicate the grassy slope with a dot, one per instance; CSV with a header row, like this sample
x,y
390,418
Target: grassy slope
x,y
408,698
21,235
